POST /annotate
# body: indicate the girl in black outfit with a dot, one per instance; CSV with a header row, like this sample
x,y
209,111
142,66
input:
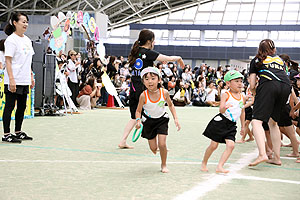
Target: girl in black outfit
x,y
141,56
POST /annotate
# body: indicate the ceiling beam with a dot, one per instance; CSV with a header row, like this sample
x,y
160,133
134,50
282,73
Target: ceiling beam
x,y
109,5
34,6
13,8
3,5
28,10
166,4
158,13
47,4
10,5
55,10
88,3
128,2
153,4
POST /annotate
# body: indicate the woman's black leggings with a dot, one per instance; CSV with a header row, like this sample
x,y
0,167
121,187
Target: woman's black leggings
x,y
10,102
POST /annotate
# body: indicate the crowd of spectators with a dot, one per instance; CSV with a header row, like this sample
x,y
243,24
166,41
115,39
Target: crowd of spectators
x,y
198,86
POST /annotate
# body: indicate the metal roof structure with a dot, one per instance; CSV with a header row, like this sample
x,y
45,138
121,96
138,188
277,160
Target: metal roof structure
x,y
120,12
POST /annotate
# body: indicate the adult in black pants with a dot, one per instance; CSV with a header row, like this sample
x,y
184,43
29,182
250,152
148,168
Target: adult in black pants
x,y
72,69
17,75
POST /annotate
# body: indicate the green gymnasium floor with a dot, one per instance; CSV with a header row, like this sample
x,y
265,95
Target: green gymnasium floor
x,y
76,157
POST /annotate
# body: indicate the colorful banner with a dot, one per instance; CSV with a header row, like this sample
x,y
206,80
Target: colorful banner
x,y
29,112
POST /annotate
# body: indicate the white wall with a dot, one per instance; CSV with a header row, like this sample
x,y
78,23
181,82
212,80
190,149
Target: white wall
x,y
240,65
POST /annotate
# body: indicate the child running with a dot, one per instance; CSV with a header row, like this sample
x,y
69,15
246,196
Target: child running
x,y
152,113
222,128
248,116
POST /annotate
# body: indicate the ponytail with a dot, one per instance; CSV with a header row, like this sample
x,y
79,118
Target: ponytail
x,y
266,48
133,53
10,27
144,36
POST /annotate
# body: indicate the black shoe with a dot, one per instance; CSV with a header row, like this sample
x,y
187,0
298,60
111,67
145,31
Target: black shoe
x,y
23,136
11,138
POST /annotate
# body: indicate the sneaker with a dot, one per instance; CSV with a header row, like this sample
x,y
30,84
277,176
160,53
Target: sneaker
x,y
23,136
10,138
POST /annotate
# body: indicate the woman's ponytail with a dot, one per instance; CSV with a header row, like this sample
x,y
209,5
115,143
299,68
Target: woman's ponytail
x,y
133,53
144,36
9,28
266,48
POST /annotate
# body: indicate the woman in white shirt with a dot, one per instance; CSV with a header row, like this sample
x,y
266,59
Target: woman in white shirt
x,y
186,76
211,95
18,75
2,57
72,68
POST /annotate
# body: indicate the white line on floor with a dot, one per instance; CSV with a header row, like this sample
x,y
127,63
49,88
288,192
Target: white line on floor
x,y
288,158
255,178
102,161
215,180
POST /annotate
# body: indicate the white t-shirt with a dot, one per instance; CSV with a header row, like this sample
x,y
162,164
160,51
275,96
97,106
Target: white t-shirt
x,y
211,96
21,51
72,71
168,71
2,59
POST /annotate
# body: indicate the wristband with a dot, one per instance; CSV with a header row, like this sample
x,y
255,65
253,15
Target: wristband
x,y
138,119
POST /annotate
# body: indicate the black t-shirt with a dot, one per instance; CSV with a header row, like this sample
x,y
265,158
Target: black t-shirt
x,y
146,58
111,70
273,69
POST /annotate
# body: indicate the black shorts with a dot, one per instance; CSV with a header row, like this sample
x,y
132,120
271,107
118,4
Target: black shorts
x,y
285,119
297,120
220,128
154,126
20,89
270,99
136,89
248,113
265,126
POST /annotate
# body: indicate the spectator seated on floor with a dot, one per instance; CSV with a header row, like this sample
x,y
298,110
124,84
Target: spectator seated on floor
x,y
211,94
89,94
181,96
199,95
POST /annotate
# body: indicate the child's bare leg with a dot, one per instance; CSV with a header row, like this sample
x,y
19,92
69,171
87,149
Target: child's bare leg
x,y
153,145
269,145
162,145
259,134
209,103
284,132
298,131
216,103
276,142
251,138
225,156
210,149
242,140
290,131
250,133
127,130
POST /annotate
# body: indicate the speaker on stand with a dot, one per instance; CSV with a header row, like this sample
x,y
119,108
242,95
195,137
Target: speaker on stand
x,y
43,66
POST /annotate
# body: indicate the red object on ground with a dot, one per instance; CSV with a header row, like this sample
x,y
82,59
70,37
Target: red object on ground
x,y
110,101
